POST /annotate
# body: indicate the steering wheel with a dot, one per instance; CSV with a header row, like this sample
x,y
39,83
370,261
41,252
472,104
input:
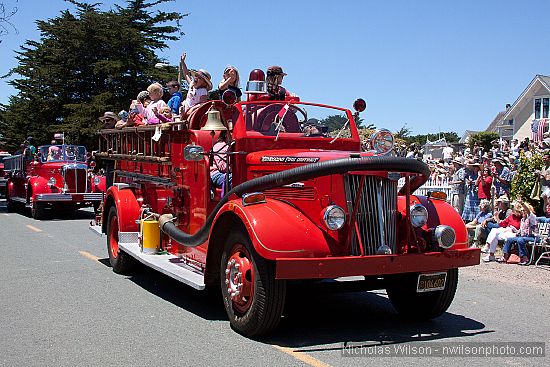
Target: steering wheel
x,y
267,116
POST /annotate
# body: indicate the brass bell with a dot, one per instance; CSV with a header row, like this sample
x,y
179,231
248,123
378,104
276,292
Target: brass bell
x,y
214,122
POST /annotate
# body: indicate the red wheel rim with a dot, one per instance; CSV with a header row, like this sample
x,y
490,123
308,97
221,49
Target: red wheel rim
x,y
239,278
113,236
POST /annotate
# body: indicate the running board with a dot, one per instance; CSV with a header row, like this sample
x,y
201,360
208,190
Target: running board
x,y
170,265
96,229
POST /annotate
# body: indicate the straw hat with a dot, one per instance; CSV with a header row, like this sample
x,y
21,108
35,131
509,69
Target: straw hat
x,y
205,75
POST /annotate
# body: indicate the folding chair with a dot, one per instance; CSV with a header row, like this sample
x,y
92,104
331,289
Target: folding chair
x,y
541,240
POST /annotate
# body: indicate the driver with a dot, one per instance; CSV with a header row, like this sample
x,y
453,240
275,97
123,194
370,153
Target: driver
x,y
314,129
54,152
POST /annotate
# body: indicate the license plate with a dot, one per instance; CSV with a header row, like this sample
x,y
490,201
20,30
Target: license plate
x,y
431,282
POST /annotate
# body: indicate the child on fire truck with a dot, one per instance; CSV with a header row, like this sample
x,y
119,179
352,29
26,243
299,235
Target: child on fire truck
x,y
199,85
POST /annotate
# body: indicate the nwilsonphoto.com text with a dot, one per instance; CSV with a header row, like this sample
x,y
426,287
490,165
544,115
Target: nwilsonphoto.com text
x,y
446,349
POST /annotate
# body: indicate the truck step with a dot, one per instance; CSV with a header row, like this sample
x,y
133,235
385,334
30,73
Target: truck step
x,y
96,229
170,265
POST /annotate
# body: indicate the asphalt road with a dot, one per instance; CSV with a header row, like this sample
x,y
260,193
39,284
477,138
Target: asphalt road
x,y
61,305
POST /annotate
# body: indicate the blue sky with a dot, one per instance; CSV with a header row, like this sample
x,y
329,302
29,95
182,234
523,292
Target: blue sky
x,y
434,65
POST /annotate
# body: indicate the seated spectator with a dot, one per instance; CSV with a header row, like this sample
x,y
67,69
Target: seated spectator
x,y
175,96
199,85
526,234
230,81
501,212
165,114
507,229
219,168
484,215
109,120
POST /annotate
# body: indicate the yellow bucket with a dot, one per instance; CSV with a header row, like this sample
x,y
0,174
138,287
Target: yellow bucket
x,y
150,236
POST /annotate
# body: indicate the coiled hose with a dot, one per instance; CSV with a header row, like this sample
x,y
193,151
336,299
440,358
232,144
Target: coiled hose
x,y
337,166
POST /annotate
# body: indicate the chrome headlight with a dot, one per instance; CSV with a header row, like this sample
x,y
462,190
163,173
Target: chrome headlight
x,y
445,236
52,181
419,215
334,217
97,180
382,141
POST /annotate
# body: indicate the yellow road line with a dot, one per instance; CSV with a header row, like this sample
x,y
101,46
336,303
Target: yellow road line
x,y
302,357
89,256
32,228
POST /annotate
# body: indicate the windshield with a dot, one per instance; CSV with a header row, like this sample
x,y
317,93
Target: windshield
x,y
299,118
60,153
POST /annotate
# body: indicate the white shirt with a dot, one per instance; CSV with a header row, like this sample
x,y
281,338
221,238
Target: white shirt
x,y
448,152
194,97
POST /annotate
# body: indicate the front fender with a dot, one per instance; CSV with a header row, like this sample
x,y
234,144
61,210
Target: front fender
x,y
127,208
440,212
278,230
38,185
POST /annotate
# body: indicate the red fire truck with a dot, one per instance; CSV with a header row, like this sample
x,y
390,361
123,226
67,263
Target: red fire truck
x,y
57,177
303,203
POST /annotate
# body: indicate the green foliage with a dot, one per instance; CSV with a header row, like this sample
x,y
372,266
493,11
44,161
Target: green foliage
x,y
403,133
450,137
525,178
86,62
483,139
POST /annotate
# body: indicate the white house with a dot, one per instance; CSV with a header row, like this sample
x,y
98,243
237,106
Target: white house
x,y
532,104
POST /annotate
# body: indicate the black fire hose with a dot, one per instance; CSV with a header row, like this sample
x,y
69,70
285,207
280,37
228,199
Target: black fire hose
x,y
390,164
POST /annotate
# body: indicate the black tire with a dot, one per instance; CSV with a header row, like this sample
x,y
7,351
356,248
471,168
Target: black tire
x,y
121,262
37,210
268,295
10,204
411,305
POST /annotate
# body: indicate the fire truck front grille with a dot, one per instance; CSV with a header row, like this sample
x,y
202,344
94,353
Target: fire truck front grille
x,y
75,180
376,220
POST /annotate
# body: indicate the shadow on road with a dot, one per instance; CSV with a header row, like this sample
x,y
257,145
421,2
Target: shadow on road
x,y
361,317
205,304
317,319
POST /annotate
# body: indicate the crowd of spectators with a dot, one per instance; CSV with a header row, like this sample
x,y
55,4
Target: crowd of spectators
x,y
480,182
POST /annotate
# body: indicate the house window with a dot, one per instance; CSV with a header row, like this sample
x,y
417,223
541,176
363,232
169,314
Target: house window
x,y
542,107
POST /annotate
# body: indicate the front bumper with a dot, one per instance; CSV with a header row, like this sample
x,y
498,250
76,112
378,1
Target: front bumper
x,y
84,197
334,267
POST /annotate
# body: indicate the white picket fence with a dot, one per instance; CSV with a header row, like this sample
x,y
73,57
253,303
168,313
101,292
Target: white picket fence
x,y
431,185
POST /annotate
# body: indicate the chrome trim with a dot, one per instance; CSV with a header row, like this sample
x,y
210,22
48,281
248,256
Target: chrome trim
x,y
93,196
424,211
254,203
376,216
326,213
256,87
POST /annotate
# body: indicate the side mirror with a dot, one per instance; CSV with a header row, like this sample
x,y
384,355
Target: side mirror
x,y
193,153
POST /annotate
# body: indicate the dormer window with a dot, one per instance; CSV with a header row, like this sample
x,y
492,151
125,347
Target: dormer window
x,y
541,107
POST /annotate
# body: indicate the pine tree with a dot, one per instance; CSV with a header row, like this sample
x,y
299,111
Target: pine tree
x,y
86,62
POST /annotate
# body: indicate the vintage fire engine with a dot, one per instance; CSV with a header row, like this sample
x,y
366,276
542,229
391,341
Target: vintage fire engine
x,y
3,179
58,177
303,203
